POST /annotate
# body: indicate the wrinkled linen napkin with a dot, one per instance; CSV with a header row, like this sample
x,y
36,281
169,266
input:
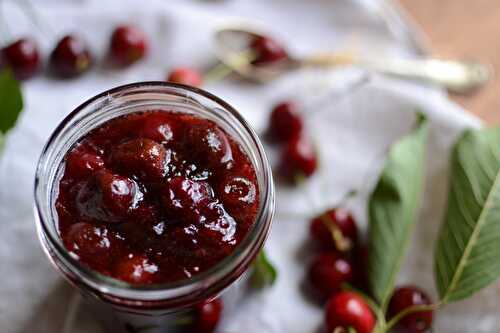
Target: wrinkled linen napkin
x,y
352,116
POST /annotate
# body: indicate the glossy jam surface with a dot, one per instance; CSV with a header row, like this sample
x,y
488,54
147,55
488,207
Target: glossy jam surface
x,y
155,197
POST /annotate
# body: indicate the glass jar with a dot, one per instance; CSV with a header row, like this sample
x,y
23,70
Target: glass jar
x,y
158,307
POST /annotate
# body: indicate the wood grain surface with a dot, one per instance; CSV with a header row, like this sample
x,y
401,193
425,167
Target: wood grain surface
x,y
468,30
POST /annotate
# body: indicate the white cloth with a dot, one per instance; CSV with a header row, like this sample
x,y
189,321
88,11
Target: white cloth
x,y
351,128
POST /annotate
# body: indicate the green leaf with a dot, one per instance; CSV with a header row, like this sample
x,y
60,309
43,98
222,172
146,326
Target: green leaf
x,y
467,256
264,274
11,101
393,209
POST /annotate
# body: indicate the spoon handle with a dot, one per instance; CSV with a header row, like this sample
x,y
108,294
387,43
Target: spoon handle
x,y
457,76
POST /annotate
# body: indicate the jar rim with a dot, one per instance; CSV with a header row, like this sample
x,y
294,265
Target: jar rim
x,y
185,291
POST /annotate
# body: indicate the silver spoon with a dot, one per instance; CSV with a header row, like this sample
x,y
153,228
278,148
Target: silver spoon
x,y
231,47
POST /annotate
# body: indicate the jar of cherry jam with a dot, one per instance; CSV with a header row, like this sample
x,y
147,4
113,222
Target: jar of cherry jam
x,y
153,199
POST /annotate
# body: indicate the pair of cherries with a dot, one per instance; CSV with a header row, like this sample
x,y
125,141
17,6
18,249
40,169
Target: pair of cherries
x,y
71,56
342,260
299,157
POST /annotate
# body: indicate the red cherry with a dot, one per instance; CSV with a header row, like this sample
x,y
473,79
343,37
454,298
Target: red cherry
x,y
128,45
324,227
136,269
285,122
22,58
209,145
238,195
157,128
328,272
108,197
80,164
185,75
183,197
298,159
208,315
142,158
405,297
71,57
347,309
267,50
92,244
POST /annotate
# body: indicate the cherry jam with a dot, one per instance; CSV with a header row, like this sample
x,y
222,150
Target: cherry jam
x,y
155,197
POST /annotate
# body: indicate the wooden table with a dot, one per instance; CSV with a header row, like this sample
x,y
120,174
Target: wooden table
x,y
465,29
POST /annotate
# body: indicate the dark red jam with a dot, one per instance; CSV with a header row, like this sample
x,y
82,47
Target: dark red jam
x,y
155,197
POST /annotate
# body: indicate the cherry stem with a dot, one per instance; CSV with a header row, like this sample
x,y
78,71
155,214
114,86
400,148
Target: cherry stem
x,y
410,310
2,141
349,329
347,196
217,73
342,243
222,70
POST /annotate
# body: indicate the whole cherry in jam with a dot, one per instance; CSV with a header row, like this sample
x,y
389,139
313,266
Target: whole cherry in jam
x,y
346,310
157,128
335,229
183,197
108,197
71,57
174,192
142,158
91,243
239,195
185,75
209,145
22,57
267,50
298,160
328,272
207,316
285,122
404,298
128,45
135,269
81,163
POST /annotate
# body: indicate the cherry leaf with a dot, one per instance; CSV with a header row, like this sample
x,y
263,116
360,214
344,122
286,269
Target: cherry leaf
x,y
11,101
264,273
468,246
393,209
